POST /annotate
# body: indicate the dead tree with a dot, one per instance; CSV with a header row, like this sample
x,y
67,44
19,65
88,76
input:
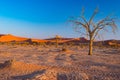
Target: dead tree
x,y
57,37
92,29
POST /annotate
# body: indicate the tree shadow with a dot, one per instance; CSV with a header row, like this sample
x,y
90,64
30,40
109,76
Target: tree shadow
x,y
100,64
71,76
114,52
1,65
62,77
29,76
106,70
60,57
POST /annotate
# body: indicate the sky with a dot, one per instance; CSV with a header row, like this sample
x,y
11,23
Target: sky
x,y
46,18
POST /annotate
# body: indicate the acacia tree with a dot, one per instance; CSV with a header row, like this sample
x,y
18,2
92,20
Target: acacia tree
x,y
92,29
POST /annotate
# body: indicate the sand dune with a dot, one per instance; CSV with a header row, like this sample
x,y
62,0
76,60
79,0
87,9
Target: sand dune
x,y
38,40
67,40
10,37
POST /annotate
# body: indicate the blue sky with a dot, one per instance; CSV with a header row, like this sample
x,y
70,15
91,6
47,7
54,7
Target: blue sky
x,y
47,18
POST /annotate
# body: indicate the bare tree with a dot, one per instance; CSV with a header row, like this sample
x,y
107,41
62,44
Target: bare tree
x,y
92,29
57,37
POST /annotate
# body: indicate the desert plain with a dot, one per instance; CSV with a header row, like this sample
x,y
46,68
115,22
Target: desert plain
x,y
33,62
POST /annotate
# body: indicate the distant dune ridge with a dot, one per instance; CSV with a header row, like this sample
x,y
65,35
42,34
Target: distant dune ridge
x,y
63,40
12,38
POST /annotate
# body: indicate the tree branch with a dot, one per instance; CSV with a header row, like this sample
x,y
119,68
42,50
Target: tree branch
x,y
93,15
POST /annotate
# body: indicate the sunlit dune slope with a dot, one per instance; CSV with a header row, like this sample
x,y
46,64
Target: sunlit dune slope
x,y
38,40
9,37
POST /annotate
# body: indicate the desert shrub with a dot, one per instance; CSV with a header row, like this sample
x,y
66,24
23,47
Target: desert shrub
x,y
1,43
71,44
82,45
7,43
26,43
17,43
34,43
9,62
64,49
42,44
64,45
52,44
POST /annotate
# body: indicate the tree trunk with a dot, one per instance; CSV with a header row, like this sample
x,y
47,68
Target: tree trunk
x,y
90,46
56,42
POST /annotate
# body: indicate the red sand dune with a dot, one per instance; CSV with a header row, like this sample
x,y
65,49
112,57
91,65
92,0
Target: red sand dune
x,y
9,37
38,40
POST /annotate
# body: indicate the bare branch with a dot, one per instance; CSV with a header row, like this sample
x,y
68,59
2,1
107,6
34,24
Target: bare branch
x,y
84,25
106,22
93,15
80,30
96,34
83,18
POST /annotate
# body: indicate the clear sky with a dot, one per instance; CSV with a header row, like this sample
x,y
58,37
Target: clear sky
x,y
47,18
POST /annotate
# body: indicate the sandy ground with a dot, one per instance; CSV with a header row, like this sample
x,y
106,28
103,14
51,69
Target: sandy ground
x,y
50,63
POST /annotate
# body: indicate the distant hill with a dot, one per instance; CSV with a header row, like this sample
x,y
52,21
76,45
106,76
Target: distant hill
x,y
110,42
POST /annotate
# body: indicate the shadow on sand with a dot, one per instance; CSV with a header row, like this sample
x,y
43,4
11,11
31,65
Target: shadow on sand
x,y
29,76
